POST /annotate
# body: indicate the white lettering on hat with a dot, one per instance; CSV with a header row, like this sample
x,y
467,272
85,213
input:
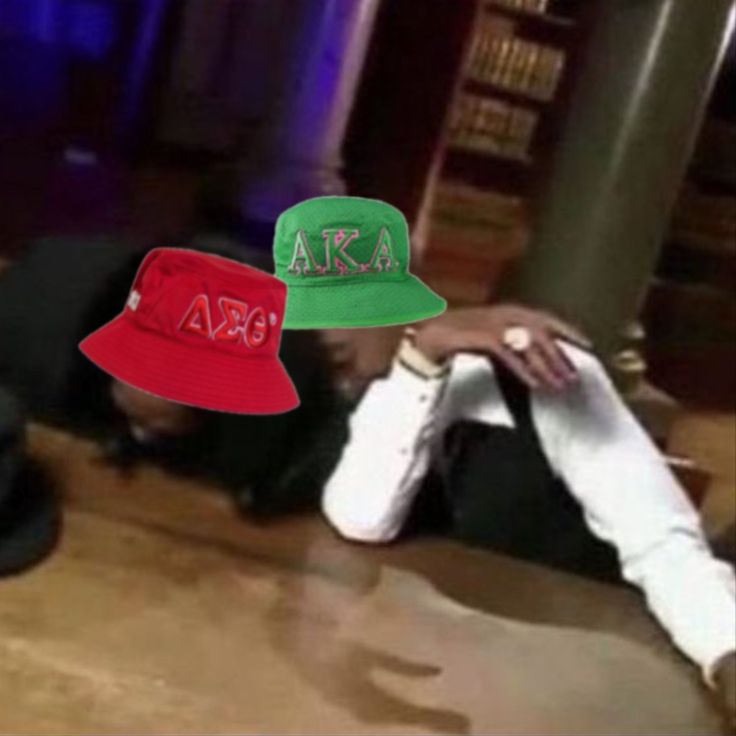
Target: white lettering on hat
x,y
134,299
383,254
336,241
303,261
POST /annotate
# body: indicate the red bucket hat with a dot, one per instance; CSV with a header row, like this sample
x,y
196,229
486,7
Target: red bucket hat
x,y
201,330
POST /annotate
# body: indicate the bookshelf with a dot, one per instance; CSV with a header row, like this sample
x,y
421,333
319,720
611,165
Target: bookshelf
x,y
509,98
689,313
690,309
457,134
508,81
535,18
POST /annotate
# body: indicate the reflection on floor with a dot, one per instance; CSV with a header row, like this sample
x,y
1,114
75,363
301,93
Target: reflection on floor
x,y
162,612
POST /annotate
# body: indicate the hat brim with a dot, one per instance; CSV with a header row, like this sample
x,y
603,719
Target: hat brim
x,y
177,372
364,304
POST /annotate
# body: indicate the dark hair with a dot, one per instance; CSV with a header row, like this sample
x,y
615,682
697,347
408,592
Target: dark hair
x,y
270,464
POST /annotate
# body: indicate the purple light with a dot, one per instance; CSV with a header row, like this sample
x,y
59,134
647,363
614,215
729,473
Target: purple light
x,y
89,27
153,15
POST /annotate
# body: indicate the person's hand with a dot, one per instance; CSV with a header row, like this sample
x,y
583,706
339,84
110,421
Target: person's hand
x,y
483,330
725,679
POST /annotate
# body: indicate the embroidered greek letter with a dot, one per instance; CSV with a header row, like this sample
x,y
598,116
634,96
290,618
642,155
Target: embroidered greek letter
x,y
302,261
257,328
336,241
197,317
234,313
383,254
250,328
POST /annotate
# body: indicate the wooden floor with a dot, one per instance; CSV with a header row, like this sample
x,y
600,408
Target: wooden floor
x,y
163,613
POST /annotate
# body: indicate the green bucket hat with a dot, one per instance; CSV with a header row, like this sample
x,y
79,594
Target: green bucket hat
x,y
346,263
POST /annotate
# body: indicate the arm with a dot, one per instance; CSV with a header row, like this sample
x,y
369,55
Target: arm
x,y
631,499
392,433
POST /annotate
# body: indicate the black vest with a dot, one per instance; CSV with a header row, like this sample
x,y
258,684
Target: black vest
x,y
493,487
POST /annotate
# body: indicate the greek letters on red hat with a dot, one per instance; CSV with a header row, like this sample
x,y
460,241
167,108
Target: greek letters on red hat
x,y
239,324
202,330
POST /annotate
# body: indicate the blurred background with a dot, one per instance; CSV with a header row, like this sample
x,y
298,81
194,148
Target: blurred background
x,y
576,155
579,156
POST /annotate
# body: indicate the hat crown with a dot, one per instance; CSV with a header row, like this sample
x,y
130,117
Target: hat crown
x,y
338,238
208,301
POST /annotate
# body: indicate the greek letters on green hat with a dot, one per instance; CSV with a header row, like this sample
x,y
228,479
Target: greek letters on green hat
x,y
337,259
346,263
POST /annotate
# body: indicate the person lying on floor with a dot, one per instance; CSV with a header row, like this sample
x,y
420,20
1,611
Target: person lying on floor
x,y
494,427
63,289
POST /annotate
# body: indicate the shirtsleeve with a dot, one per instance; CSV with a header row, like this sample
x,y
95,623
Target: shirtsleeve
x,y
392,435
631,499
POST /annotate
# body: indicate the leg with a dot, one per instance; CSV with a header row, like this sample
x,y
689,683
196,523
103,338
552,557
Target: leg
x,y
631,499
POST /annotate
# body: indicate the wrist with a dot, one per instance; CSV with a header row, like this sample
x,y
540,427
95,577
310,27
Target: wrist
x,y
417,361
431,343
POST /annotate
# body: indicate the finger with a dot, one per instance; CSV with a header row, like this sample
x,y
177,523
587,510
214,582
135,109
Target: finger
x,y
538,365
515,364
567,331
556,358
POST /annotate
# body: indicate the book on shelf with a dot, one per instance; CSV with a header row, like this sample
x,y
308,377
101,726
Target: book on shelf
x,y
499,58
549,72
514,71
492,126
529,72
520,132
457,201
476,52
495,65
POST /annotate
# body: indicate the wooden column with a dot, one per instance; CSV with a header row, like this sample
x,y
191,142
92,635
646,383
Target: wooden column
x,y
300,156
638,104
